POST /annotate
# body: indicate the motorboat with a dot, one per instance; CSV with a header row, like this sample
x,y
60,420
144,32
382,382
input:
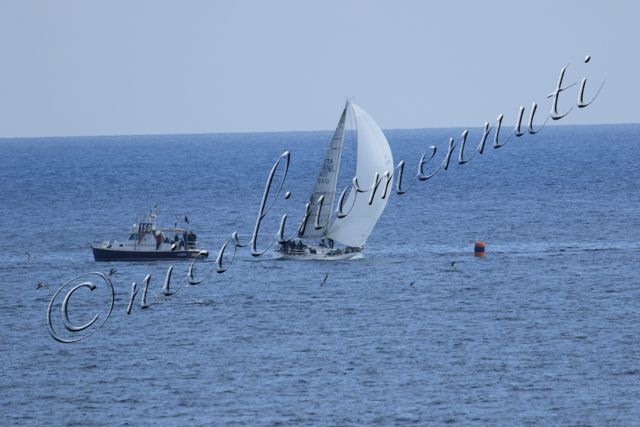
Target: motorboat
x,y
148,241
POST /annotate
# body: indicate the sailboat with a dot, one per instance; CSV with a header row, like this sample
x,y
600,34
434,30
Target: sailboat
x,y
339,236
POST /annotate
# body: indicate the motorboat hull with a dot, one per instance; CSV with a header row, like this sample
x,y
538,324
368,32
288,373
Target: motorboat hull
x,y
104,254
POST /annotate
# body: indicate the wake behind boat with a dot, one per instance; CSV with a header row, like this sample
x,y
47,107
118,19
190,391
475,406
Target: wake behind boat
x,y
344,237
148,241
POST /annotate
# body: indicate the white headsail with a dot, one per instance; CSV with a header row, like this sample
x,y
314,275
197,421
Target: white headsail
x,y
374,155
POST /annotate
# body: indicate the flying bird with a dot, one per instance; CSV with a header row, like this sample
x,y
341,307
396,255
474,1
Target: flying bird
x,y
112,272
453,264
411,284
29,255
325,280
40,285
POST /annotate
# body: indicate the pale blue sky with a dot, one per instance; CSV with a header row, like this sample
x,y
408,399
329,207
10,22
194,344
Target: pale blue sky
x,y
71,68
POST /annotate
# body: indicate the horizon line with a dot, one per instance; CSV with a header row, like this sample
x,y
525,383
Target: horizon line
x,y
289,131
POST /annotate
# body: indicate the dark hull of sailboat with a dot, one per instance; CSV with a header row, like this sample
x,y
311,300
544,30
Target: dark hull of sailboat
x,y
102,254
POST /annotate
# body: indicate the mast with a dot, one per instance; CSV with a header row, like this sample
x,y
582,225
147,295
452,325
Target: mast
x,y
326,184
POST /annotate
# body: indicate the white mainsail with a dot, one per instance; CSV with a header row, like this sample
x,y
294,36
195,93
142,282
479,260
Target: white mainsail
x,y
374,155
326,185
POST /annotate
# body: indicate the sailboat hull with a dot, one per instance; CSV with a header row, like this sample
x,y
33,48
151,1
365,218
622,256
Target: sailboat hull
x,y
312,252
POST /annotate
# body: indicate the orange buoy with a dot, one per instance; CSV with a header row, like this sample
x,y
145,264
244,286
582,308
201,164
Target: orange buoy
x,y
479,249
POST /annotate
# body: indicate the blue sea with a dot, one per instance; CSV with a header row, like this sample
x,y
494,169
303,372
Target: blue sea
x,y
544,330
